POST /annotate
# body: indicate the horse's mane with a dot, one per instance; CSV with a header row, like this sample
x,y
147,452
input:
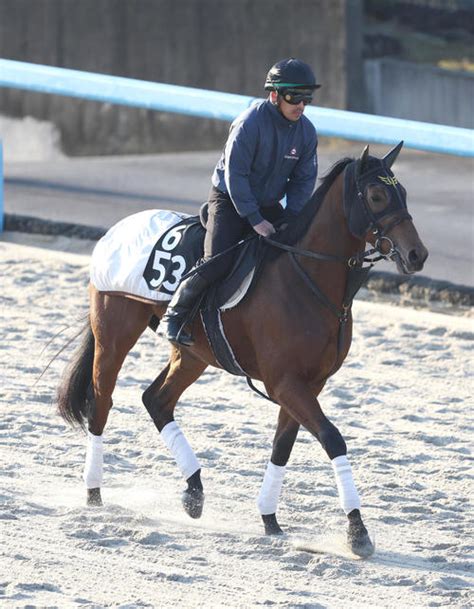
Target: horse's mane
x,y
298,226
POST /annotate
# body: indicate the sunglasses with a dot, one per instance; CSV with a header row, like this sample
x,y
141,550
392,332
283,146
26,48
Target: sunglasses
x,y
296,96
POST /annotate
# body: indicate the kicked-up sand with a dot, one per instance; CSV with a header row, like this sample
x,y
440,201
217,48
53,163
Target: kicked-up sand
x,y
403,401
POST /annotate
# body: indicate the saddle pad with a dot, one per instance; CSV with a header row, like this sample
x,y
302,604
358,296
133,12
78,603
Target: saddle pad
x,y
119,259
226,296
211,319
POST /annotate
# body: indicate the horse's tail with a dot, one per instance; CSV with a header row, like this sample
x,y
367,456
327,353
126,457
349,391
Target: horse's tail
x,y
74,394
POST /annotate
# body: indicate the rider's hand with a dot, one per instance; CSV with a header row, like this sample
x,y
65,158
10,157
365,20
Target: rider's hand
x,y
264,228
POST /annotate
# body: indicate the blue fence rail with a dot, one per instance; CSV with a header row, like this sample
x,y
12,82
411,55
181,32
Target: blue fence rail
x,y
226,106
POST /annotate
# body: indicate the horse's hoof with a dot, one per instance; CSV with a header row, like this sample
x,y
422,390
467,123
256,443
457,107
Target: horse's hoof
x,y
359,541
193,502
271,525
93,497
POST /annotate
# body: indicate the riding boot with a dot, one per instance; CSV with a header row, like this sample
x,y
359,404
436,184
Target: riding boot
x,y
180,306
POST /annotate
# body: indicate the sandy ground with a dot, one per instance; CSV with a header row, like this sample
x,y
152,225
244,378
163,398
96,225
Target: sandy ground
x,y
403,402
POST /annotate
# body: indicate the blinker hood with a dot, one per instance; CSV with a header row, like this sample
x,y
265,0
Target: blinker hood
x,y
360,217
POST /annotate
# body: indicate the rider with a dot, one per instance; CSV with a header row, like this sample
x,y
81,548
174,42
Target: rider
x,y
270,152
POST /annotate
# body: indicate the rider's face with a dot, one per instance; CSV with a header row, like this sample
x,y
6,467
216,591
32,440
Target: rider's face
x,y
291,112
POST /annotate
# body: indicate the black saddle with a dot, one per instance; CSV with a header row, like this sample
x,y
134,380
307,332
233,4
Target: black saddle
x,y
177,251
181,247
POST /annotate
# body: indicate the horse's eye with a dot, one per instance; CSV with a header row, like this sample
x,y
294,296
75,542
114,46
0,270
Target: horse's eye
x,y
378,199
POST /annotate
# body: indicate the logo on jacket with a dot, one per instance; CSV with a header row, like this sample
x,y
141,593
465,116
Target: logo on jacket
x,y
292,155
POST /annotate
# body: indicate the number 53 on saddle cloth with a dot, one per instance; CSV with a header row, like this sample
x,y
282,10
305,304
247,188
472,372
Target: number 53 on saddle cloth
x,y
143,254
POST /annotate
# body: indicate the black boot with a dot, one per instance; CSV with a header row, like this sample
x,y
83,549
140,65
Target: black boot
x,y
181,304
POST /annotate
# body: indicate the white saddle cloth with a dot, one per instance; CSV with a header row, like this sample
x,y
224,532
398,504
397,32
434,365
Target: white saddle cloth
x,y
120,257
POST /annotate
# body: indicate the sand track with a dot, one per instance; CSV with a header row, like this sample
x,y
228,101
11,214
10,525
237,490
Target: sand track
x,y
403,401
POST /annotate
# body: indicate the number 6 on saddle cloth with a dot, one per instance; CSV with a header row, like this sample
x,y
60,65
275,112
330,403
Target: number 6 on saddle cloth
x,y
178,250
174,254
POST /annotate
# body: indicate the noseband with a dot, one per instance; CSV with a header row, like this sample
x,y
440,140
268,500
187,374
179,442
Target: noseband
x,y
381,235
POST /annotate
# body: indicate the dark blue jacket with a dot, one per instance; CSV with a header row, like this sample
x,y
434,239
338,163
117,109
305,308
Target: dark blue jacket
x,y
265,158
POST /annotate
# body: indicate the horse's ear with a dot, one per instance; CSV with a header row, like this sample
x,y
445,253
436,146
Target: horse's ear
x,y
390,158
363,158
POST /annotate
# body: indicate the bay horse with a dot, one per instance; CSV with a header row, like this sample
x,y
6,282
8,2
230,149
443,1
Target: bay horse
x,y
291,332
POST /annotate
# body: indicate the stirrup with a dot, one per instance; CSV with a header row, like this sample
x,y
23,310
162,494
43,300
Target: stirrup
x,y
184,338
177,334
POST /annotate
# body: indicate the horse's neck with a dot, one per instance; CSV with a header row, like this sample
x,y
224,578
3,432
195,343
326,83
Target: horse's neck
x,y
329,234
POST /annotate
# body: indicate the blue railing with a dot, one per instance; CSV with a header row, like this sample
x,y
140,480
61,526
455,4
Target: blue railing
x,y
226,106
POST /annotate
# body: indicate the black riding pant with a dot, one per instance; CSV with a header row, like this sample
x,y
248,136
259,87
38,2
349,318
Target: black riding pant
x,y
224,228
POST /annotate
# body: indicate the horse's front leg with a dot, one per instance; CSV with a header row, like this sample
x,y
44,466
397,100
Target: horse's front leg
x,y
285,436
297,398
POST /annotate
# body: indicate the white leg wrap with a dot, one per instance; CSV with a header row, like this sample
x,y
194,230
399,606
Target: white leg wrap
x,y
267,501
94,460
178,446
348,495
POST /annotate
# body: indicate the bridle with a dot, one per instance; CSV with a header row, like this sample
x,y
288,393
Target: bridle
x,y
375,222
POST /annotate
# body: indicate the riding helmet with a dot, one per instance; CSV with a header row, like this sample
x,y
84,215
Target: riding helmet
x,y
290,73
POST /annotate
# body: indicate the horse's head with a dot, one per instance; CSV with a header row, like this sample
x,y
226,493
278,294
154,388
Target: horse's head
x,y
376,209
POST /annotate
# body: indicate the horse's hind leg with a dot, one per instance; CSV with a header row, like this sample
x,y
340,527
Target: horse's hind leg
x,y
160,400
117,323
285,436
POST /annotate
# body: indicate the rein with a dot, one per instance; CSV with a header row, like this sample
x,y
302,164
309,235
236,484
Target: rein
x,y
352,261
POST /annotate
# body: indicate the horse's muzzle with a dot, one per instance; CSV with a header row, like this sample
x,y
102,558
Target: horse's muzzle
x,y
413,261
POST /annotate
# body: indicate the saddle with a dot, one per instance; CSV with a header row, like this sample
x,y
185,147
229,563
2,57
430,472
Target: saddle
x,y
177,251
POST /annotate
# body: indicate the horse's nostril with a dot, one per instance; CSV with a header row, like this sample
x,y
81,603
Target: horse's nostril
x,y
413,256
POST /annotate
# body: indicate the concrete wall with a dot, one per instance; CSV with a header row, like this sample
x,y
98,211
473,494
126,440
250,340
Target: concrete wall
x,y
225,45
420,92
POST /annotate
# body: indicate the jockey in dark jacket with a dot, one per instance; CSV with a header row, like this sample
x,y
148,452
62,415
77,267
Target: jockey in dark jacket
x,y
271,152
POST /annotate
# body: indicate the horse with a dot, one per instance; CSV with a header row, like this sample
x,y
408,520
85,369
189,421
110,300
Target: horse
x,y
291,332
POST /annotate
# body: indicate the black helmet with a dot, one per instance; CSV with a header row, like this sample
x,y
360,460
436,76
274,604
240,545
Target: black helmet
x,y
290,73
